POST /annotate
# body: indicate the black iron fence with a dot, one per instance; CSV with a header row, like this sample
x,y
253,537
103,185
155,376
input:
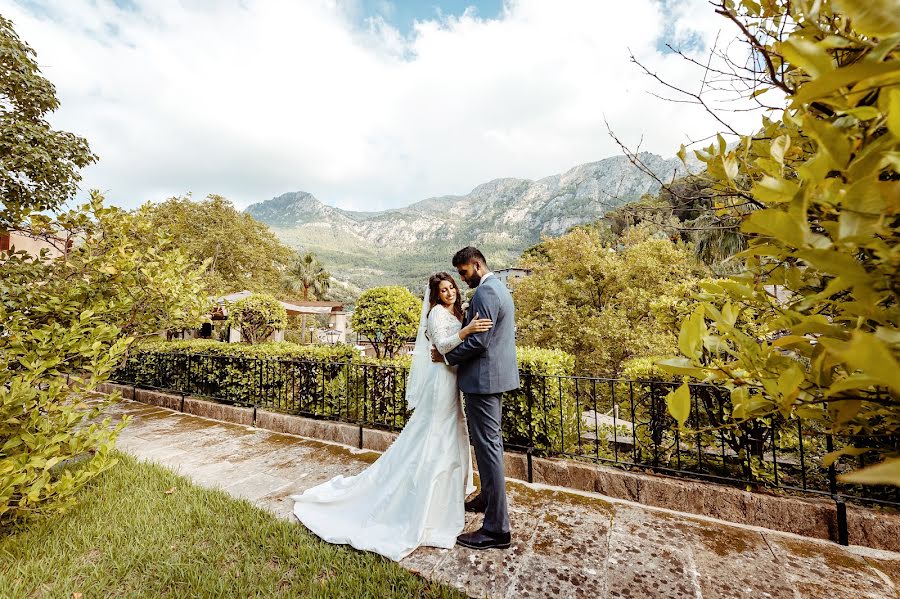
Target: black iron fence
x,y
612,421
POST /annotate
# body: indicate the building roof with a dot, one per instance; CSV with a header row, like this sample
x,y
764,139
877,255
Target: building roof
x,y
290,308
318,304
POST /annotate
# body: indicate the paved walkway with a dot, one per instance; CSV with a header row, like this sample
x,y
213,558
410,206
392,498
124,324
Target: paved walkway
x,y
566,544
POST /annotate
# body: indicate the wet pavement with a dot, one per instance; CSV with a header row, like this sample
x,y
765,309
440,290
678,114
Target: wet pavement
x,y
565,543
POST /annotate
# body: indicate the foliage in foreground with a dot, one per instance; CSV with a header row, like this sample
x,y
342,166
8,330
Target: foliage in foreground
x,y
66,322
822,183
142,531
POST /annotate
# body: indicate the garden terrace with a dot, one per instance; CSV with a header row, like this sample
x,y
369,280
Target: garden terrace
x,y
618,422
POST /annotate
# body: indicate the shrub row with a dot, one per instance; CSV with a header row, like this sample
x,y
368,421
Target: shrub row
x,y
334,381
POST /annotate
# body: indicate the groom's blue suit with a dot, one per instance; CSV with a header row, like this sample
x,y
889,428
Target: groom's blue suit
x,y
488,368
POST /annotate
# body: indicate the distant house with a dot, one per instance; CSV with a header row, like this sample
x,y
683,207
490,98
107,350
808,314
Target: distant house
x,y
33,244
510,276
337,317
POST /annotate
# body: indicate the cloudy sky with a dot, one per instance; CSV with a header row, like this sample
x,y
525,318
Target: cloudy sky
x,y
367,104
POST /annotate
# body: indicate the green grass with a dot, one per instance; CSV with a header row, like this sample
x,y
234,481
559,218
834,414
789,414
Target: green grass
x,y
128,538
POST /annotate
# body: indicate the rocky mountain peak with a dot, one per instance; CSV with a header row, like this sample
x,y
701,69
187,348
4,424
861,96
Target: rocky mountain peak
x,y
504,215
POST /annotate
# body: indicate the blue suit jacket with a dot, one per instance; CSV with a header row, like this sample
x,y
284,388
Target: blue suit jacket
x,y
487,361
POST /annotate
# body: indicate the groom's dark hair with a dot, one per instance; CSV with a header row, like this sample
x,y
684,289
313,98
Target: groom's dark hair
x,y
469,254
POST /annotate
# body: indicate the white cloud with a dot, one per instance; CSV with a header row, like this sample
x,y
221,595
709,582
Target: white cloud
x,y
253,98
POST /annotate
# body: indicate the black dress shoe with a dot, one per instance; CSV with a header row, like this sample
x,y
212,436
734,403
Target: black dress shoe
x,y
483,539
476,505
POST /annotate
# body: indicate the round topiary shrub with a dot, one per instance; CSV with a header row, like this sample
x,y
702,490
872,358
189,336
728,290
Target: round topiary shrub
x,y
258,316
387,316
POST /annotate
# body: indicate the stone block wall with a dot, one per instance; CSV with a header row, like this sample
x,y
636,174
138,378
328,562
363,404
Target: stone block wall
x,y
803,516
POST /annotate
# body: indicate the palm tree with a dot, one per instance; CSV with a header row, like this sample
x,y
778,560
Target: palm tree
x,y
304,275
716,240
307,274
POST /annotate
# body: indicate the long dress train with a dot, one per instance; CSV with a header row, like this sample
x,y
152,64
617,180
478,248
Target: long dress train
x,y
413,494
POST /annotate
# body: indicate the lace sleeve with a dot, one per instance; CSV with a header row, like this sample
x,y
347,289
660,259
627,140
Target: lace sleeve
x,y
443,330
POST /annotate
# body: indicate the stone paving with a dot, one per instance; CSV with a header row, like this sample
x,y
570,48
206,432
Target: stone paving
x,y
565,544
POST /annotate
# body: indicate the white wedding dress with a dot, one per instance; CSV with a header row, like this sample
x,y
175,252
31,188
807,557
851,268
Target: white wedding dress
x,y
414,494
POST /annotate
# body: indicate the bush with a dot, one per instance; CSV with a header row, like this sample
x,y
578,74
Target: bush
x,y
543,412
65,324
318,380
258,316
271,349
336,382
387,316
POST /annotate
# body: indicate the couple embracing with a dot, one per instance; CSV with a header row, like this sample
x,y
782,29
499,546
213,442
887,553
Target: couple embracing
x,y
414,494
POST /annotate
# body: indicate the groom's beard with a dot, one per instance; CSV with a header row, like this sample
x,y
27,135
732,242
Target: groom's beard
x,y
474,280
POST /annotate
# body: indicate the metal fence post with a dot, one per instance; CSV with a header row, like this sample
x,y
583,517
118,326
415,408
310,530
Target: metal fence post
x,y
530,450
840,507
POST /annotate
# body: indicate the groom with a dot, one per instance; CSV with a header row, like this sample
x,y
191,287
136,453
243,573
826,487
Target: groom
x,y
487,369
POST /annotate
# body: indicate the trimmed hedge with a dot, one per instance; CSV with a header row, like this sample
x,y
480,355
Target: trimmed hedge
x,y
328,381
543,409
271,349
334,381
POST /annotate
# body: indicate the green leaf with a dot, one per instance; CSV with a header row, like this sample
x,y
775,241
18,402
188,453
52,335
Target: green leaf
x,y
775,190
681,366
846,410
777,224
867,353
789,382
830,138
679,403
829,458
843,77
864,113
854,381
885,473
740,400
778,148
806,54
690,337
874,18
893,120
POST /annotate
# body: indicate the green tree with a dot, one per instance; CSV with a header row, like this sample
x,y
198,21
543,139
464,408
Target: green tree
x,y
823,180
258,316
38,166
600,301
387,316
65,324
307,274
241,253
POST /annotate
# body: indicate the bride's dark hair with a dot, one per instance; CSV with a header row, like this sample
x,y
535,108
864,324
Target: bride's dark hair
x,y
434,282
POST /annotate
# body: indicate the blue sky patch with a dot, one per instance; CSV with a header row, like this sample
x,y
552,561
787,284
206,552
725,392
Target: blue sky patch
x,y
402,14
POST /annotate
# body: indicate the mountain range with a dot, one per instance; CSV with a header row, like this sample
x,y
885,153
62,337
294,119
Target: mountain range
x,y
502,217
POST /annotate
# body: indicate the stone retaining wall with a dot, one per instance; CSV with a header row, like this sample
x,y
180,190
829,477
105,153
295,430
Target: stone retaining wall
x,y
807,517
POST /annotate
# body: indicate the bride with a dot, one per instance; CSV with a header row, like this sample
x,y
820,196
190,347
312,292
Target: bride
x,y
413,495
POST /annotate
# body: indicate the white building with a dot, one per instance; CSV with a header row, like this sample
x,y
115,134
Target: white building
x,y
510,276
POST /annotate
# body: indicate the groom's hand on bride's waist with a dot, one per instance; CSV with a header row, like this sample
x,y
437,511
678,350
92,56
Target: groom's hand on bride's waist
x,y
436,355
